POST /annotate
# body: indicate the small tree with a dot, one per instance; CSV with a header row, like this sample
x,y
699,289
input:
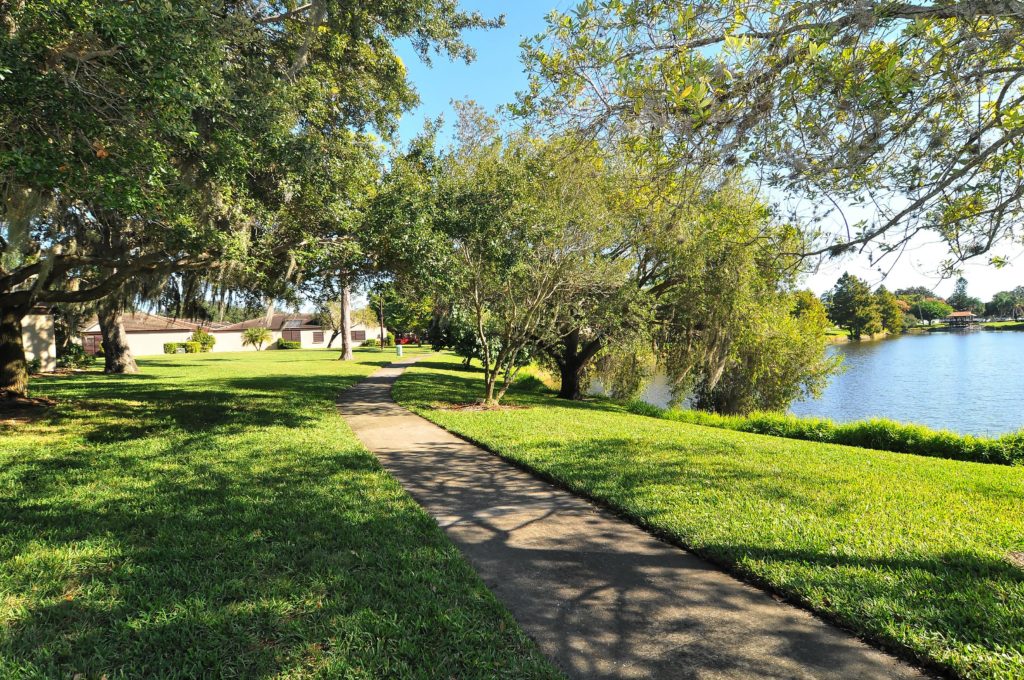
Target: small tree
x,y
961,301
930,309
257,336
891,310
851,306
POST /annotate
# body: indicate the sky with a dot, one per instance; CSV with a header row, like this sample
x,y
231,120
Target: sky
x,y
496,75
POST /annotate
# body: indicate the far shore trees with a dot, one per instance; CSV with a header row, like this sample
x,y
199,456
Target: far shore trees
x,y
852,307
961,301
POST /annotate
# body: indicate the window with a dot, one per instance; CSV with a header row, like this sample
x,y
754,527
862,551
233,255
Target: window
x,y
291,336
318,337
358,336
294,323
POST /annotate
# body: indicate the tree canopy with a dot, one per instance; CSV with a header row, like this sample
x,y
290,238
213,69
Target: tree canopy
x,y
909,112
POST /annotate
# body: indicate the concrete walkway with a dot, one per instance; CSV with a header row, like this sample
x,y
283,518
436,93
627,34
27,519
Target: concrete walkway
x,y
601,597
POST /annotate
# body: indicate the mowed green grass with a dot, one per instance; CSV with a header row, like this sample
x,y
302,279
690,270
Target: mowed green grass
x,y
214,517
909,551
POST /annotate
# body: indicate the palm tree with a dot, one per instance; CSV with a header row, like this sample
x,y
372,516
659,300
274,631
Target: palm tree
x,y
257,336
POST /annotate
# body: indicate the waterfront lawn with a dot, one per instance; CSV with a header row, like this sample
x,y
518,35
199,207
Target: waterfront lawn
x,y
915,553
214,517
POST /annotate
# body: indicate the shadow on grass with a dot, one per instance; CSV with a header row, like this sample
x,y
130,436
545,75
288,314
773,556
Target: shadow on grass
x,y
425,389
233,528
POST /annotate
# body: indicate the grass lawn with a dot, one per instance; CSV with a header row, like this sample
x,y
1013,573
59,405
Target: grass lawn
x,y
913,552
213,517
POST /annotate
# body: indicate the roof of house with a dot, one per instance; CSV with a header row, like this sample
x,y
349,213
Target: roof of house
x,y
142,322
961,314
279,321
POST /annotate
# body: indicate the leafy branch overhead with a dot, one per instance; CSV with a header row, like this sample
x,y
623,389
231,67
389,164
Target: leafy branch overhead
x,y
908,116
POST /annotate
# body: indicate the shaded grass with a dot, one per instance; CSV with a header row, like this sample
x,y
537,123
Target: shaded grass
x,y
908,551
214,517
874,433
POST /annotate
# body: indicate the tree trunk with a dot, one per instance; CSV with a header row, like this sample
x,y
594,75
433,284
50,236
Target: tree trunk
x,y
334,336
117,356
346,324
13,367
572,362
381,305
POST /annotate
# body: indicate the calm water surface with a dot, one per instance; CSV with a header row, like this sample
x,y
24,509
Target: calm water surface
x,y
970,382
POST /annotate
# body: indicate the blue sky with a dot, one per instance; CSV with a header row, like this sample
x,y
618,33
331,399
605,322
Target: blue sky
x,y
491,80
496,75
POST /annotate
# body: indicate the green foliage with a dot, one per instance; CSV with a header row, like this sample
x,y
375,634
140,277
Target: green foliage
x,y
389,340
34,365
187,498
851,306
206,340
371,342
75,356
257,336
890,311
146,138
960,301
877,433
288,344
833,100
927,308
192,347
909,551
173,347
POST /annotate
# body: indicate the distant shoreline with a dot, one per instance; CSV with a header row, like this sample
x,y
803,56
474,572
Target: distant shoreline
x,y
937,328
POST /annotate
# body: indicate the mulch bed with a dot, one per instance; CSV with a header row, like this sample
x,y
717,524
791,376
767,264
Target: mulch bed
x,y
16,408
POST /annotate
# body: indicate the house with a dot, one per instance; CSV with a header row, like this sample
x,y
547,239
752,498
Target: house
x,y
148,333
960,319
302,328
39,340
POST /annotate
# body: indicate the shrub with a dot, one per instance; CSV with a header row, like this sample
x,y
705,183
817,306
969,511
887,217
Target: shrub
x,y
173,347
75,357
389,340
205,340
876,433
192,347
288,344
34,365
371,342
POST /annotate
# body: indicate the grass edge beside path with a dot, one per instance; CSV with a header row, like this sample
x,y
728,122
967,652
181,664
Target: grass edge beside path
x,y
215,516
912,553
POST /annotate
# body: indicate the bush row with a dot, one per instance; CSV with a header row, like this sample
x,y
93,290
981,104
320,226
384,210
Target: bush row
x,y
189,347
876,433
288,344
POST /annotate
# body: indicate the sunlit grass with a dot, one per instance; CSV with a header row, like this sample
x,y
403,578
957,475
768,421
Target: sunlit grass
x,y
913,552
214,517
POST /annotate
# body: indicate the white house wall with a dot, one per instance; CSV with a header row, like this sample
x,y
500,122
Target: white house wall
x,y
39,340
147,344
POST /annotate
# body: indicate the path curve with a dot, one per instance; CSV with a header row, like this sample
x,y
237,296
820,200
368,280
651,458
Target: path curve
x,y
601,597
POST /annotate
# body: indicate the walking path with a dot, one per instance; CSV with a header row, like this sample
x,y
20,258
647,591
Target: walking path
x,y
602,598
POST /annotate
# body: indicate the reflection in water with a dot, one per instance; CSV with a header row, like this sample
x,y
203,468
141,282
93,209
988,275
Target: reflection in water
x,y
969,382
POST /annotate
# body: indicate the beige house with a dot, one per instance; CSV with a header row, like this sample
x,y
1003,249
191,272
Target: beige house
x,y
148,333
39,340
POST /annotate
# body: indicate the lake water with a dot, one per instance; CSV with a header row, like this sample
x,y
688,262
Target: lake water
x,y
971,382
